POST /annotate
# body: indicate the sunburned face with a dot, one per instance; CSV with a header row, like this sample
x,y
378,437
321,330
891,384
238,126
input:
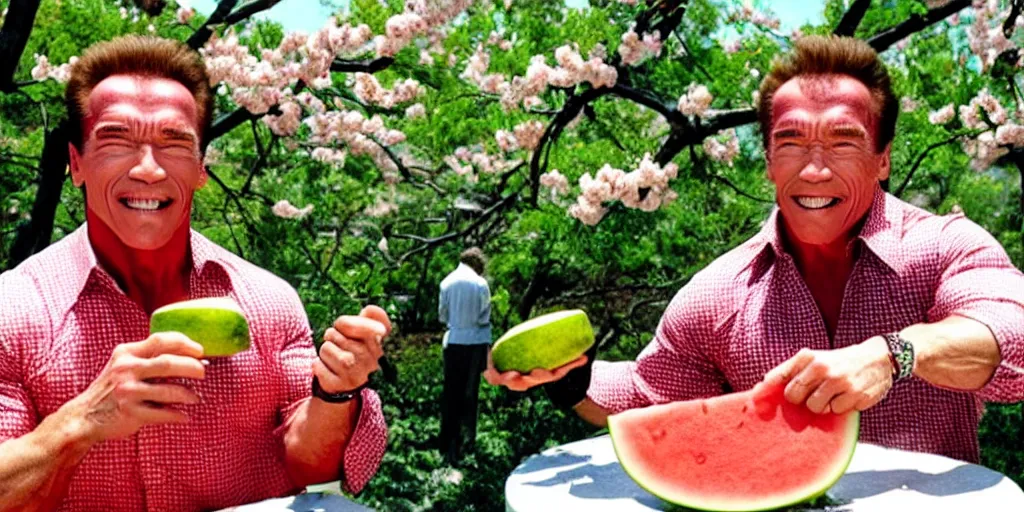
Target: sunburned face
x,y
822,156
140,161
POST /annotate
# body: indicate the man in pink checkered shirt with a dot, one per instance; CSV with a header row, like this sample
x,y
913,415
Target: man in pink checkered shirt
x,y
848,296
96,414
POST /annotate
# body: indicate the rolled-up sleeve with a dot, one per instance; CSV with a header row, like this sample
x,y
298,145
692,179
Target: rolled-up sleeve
x,y
366,446
17,416
980,282
20,322
671,367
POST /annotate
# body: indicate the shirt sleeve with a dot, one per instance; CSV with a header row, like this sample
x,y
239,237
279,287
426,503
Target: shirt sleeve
x,y
17,416
366,446
672,367
485,306
17,413
979,281
442,305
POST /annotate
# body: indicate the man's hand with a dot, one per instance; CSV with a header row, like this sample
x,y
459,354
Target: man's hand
x,y
521,382
351,349
125,397
838,381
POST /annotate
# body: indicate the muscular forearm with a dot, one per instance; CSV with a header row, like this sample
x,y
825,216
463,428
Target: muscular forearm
x,y
36,469
955,353
315,441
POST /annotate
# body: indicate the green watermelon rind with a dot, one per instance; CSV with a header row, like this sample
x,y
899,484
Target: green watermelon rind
x,y
852,428
215,323
547,341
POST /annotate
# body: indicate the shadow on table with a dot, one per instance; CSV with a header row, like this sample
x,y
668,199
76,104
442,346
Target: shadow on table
x,y
306,502
959,480
544,461
600,482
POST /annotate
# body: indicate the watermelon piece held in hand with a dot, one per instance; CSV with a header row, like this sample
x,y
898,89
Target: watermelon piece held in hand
x,y
215,323
738,452
547,341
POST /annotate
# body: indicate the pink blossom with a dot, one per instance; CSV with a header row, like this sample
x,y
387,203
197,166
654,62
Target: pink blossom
x,y
696,101
724,147
634,50
184,14
908,104
528,134
555,181
285,210
942,115
416,111
506,141
328,155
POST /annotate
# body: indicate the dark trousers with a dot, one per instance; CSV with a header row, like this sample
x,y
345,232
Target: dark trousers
x,y
463,365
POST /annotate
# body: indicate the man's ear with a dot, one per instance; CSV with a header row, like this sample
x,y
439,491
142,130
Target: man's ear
x,y
75,165
204,176
885,164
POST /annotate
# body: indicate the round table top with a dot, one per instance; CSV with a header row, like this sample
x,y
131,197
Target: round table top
x,y
585,475
306,502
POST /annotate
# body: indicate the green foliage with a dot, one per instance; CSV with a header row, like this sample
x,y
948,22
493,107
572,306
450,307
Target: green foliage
x,y
622,271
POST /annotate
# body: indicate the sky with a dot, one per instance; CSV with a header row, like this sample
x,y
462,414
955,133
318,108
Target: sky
x,y
309,15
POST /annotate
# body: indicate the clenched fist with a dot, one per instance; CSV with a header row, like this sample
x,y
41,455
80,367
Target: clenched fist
x,y
351,350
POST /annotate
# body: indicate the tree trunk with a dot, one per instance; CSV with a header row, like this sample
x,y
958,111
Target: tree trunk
x,y
35,235
21,15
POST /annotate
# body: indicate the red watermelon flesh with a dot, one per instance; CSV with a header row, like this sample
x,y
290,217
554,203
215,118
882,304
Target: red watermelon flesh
x,y
739,452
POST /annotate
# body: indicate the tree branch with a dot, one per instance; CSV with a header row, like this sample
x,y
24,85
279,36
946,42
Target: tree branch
x,y
35,235
248,9
852,18
920,158
405,170
916,23
569,112
21,15
431,242
363,66
201,36
646,99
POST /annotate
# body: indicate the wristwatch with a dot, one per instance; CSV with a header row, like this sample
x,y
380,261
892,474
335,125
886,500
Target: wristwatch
x,y
901,354
336,398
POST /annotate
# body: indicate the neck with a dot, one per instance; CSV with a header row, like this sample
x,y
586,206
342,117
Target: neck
x,y
151,278
811,257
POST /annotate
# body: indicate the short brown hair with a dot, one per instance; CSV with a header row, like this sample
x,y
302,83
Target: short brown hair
x,y
137,55
833,55
474,258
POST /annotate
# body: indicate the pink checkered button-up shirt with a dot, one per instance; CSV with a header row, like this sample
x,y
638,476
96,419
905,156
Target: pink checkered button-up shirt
x,y
750,310
60,317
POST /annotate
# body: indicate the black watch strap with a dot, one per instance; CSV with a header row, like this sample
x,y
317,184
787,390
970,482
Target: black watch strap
x,y
336,398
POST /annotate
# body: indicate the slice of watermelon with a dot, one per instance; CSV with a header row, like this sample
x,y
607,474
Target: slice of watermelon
x,y
739,452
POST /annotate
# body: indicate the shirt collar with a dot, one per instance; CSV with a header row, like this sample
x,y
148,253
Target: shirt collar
x,y
84,265
880,233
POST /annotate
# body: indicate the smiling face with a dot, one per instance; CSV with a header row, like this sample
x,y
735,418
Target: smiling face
x,y
140,158
822,156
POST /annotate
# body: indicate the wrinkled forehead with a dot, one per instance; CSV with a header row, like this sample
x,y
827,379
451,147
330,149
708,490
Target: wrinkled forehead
x,y
141,98
820,94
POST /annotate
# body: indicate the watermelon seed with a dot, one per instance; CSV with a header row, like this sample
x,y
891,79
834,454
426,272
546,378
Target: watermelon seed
x,y
700,458
740,425
744,407
704,407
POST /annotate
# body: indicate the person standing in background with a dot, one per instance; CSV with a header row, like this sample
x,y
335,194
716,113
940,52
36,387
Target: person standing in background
x,y
465,307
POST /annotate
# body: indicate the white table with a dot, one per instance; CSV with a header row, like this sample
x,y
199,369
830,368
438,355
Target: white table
x,y
585,475
306,502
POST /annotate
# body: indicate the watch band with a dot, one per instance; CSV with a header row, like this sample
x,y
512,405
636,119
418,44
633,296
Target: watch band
x,y
902,353
336,398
